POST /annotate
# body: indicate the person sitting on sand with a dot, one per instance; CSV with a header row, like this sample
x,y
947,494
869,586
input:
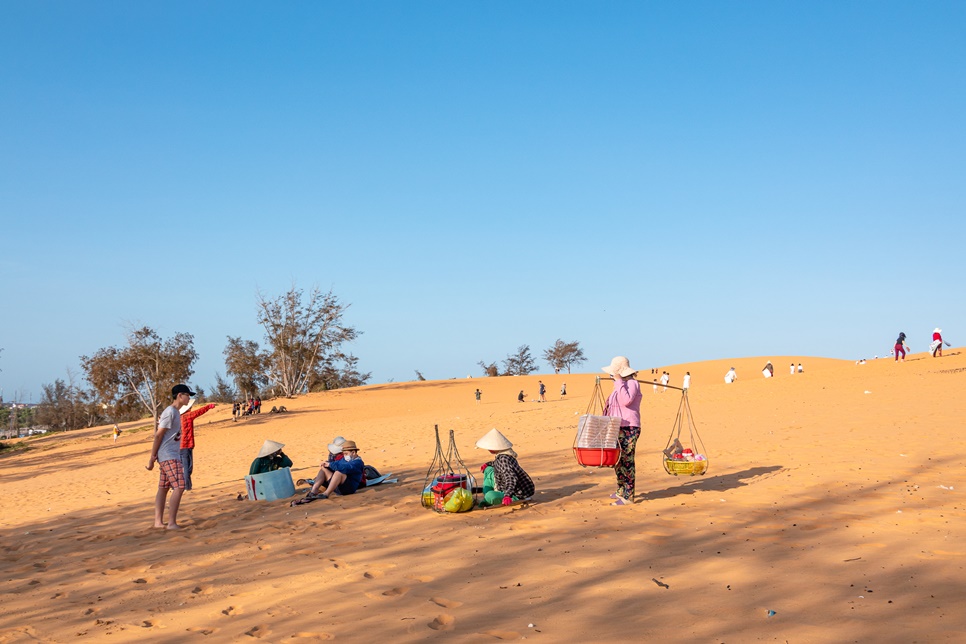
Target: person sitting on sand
x,y
521,396
270,458
343,476
335,454
731,376
504,481
768,370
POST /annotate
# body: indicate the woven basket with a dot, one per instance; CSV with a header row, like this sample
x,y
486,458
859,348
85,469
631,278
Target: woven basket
x,y
685,467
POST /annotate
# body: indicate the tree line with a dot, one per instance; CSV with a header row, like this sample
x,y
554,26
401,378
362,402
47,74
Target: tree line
x,y
303,351
561,355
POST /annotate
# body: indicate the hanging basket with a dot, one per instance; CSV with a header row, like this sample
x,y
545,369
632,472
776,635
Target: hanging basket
x,y
596,444
449,486
687,457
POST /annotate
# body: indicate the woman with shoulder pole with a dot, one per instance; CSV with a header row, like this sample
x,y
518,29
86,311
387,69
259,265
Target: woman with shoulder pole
x,y
625,402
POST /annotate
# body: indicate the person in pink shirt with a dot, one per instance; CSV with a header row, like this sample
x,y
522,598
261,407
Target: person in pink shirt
x,y
625,402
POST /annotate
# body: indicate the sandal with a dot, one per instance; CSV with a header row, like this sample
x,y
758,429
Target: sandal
x,y
302,501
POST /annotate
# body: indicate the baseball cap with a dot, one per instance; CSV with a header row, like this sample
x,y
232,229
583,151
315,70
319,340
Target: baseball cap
x,y
181,389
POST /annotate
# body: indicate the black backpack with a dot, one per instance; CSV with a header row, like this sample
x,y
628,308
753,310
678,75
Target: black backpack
x,y
371,473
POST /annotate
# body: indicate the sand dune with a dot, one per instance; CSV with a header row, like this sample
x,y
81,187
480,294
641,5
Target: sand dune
x,y
834,499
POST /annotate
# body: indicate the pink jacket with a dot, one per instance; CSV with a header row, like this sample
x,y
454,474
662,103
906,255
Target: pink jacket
x,y
625,401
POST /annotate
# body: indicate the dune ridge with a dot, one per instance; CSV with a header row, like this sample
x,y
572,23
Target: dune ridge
x,y
832,511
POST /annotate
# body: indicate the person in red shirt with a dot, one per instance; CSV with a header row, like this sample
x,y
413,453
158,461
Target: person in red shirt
x,y
188,438
937,343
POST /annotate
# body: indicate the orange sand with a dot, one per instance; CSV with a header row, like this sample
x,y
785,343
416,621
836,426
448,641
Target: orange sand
x,y
834,498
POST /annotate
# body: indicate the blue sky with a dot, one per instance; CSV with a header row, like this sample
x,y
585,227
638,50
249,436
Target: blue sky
x,y
669,181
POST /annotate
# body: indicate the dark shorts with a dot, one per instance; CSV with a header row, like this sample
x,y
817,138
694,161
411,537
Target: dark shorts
x,y
188,465
172,474
347,487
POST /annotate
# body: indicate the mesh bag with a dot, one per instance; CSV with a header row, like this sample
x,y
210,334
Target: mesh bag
x,y
596,442
449,486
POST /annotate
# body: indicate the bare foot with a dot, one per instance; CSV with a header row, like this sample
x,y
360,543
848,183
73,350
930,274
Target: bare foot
x,y
160,525
174,526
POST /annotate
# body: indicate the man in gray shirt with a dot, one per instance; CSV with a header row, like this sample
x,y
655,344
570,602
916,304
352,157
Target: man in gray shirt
x,y
166,451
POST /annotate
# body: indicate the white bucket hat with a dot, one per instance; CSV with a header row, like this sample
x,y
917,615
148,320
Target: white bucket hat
x,y
187,407
494,441
335,447
619,366
269,448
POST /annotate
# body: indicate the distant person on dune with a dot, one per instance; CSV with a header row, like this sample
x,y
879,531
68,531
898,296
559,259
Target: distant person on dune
x,y
687,381
800,369
521,396
936,348
731,376
769,370
901,347
791,369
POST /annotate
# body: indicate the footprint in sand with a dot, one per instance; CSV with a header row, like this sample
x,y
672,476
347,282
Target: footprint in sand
x,y
202,630
339,563
318,637
445,603
231,611
503,635
281,611
202,590
374,574
443,622
421,578
262,630
396,592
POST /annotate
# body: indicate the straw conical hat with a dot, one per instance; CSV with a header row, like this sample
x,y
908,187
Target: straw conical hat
x,y
270,447
619,366
494,441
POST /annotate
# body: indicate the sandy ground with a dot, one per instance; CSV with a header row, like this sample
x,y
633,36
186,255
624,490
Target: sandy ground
x,y
834,498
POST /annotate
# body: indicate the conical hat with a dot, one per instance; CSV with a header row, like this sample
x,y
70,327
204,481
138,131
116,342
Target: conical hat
x,y
494,441
619,366
187,407
269,448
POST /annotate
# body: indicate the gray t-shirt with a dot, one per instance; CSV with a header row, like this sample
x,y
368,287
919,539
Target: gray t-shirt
x,y
170,448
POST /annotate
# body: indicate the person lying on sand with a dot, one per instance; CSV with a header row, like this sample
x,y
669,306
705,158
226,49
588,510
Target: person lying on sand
x,y
343,476
504,481
270,458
